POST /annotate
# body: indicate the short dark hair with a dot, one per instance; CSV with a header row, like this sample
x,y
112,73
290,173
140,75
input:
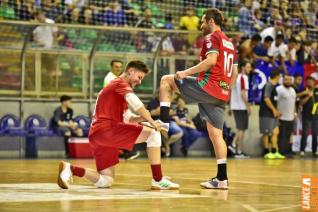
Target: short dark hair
x,y
38,12
298,75
287,75
115,61
274,73
215,14
137,64
292,40
243,63
280,36
268,39
310,78
64,98
256,37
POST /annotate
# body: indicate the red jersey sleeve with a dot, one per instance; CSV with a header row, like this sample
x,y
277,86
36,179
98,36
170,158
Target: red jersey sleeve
x,y
212,44
243,86
235,61
123,88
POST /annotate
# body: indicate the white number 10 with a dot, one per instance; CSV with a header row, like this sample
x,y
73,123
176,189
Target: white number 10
x,y
228,64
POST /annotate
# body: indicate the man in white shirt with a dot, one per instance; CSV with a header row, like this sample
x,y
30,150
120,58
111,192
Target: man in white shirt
x,y
286,104
117,68
44,35
241,109
278,51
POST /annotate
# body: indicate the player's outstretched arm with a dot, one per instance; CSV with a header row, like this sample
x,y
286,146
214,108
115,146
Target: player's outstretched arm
x,y
139,107
202,66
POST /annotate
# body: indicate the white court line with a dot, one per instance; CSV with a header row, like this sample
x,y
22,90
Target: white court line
x,y
249,208
281,208
234,181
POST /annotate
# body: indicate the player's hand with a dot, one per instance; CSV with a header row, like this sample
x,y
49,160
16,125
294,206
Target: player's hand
x,y
249,110
156,125
276,113
180,75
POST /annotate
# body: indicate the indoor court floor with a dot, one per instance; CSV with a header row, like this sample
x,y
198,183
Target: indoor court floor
x,y
255,185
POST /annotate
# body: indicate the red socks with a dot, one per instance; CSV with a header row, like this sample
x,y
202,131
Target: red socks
x,y
156,172
77,171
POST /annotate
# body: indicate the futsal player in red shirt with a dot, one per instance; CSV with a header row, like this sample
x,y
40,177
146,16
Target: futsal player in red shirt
x,y
211,89
110,132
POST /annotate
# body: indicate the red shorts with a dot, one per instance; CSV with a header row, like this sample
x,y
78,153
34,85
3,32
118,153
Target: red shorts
x,y
105,144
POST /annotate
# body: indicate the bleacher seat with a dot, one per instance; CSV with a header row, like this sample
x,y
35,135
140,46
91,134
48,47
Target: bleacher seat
x,y
84,123
10,126
36,125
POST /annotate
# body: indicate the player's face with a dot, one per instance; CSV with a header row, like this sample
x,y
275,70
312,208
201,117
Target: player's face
x,y
135,77
117,68
205,28
310,83
67,103
248,68
298,80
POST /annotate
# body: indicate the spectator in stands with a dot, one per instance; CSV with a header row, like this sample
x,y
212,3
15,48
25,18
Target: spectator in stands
x,y
6,11
246,48
114,15
272,31
190,133
259,25
24,9
175,132
304,54
241,108
88,17
116,70
268,117
44,35
75,3
190,22
75,16
130,12
309,116
291,55
63,123
312,12
168,21
52,9
286,104
145,21
278,52
245,19
260,52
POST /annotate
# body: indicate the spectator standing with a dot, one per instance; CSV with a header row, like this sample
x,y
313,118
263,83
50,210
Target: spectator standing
x,y
245,19
286,103
246,48
309,116
260,52
190,133
63,123
241,108
44,35
268,117
146,20
116,70
278,52
190,22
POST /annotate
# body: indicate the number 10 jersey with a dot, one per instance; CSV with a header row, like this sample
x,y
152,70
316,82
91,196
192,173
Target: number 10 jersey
x,y
217,80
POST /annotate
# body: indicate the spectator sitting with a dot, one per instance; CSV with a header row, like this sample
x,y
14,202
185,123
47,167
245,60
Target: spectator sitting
x,y
190,133
241,108
114,15
260,52
291,56
25,10
116,70
174,133
245,19
246,48
168,22
6,11
88,17
63,123
146,21
53,10
258,23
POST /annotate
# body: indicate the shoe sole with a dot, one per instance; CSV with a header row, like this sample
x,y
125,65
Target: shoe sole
x,y
214,188
156,188
133,157
60,182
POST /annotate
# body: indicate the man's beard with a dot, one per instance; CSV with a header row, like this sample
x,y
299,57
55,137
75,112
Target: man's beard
x,y
287,85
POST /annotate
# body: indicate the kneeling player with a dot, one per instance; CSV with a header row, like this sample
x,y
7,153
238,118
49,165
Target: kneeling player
x,y
109,133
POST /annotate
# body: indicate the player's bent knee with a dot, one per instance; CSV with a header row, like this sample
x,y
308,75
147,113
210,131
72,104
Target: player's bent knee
x,y
104,181
154,139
